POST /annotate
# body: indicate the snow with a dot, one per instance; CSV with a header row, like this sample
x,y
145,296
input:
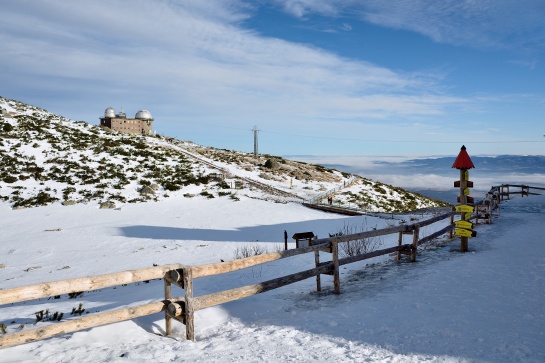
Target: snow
x,y
482,306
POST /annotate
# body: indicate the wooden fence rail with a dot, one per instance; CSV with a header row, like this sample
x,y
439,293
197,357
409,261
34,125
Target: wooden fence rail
x,y
47,289
505,191
182,308
70,326
206,301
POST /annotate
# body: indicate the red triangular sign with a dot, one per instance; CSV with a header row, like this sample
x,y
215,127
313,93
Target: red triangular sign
x,y
463,160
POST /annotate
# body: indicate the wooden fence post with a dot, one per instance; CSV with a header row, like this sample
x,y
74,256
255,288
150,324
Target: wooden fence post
x,y
414,246
399,242
450,233
189,311
336,278
317,262
168,296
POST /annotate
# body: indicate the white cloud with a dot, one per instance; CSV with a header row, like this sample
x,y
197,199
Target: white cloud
x,y
489,23
300,8
197,55
193,63
525,64
346,27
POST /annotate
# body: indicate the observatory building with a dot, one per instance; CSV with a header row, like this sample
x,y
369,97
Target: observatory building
x,y
141,124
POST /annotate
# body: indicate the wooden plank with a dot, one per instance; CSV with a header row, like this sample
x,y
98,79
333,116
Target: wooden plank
x,y
399,242
229,266
91,321
434,235
47,289
366,234
519,186
190,310
469,200
206,301
451,224
368,255
433,220
317,263
336,276
414,246
168,296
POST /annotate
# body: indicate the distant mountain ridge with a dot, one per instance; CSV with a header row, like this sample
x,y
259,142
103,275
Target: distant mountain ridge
x,y
46,158
496,164
523,164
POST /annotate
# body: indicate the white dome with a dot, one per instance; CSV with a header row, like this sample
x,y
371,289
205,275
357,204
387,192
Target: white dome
x,y
143,115
110,112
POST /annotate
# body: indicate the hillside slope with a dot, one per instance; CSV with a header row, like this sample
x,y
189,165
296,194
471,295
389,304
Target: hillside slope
x,y
47,158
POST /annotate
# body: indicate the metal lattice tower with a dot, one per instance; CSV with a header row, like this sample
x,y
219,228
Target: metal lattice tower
x,y
256,143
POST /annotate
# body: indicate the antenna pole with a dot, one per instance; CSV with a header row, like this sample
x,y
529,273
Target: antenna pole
x,y
256,143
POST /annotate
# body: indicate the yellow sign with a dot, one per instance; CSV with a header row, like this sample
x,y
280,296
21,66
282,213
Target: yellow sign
x,y
463,224
466,175
463,209
466,191
467,216
465,232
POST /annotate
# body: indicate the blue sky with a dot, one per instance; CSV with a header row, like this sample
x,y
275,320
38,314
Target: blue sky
x,y
341,77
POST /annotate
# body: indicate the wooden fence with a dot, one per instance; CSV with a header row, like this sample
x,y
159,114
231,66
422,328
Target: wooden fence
x,y
504,191
485,208
183,307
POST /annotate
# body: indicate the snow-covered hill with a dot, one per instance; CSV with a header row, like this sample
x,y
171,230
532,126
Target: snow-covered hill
x,y
46,159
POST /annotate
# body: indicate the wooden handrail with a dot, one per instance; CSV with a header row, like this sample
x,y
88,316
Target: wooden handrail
x,y
206,301
230,266
368,255
70,326
435,235
38,291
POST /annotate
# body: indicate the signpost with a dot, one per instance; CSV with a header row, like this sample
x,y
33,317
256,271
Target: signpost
x,y
464,227
464,208
469,183
463,224
465,233
469,199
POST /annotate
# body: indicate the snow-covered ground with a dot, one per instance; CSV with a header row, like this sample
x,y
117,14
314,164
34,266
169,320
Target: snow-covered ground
x,y
483,306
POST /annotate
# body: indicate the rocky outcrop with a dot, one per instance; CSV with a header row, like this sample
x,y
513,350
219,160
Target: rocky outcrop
x,y
147,190
107,205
